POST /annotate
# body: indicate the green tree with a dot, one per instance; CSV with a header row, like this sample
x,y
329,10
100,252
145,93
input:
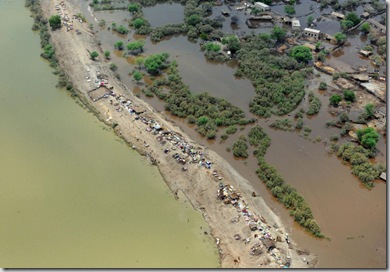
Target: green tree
x,y
193,20
335,100
94,55
365,27
119,45
289,9
102,23
301,53
349,95
321,56
136,47
310,20
340,37
210,46
55,22
107,54
155,62
346,24
137,76
240,149
137,23
232,42
353,17
202,120
368,137
278,33
134,7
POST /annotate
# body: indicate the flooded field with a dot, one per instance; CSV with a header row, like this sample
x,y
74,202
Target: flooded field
x,y
73,194
352,216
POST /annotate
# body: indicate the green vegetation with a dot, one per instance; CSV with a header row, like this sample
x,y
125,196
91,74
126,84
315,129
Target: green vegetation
x,y
301,53
349,95
358,157
55,22
232,42
136,47
259,139
155,63
122,30
365,27
210,46
314,104
278,80
282,124
102,23
137,76
113,67
335,100
137,23
119,45
353,17
368,137
94,55
340,37
278,33
240,148
134,8
285,193
346,24
182,103
310,20
231,129
323,85
289,9
107,54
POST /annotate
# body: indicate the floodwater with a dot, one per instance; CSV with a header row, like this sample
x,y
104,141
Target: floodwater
x,y
353,217
73,195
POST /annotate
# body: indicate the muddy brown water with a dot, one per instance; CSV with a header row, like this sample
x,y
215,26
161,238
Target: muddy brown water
x,y
72,193
352,216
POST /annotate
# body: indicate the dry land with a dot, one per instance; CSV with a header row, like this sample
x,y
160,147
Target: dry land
x,y
247,232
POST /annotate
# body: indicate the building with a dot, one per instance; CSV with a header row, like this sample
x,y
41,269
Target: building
x,y
339,16
310,32
295,24
378,26
365,15
262,6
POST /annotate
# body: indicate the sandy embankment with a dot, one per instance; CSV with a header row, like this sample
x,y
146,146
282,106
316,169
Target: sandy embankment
x,y
197,183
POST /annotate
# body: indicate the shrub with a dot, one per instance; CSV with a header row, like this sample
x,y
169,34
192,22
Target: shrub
x,y
231,129
349,95
335,100
323,85
240,149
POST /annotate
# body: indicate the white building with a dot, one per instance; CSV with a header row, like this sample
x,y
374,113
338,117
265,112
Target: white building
x,y
262,6
295,24
310,32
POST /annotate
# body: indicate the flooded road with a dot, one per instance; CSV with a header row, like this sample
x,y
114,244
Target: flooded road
x,y
353,217
73,194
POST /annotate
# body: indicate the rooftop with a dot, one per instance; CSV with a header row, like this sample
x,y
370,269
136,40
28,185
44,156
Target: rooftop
x,y
312,30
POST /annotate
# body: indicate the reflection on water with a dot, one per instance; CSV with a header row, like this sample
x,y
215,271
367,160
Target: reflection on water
x,y
72,194
163,14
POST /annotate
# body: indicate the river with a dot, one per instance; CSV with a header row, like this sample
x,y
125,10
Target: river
x,y
73,195
352,216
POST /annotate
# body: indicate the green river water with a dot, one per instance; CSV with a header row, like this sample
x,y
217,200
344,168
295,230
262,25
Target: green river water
x,y
72,194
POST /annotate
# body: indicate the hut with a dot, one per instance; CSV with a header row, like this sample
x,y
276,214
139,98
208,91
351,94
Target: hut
x,y
295,24
262,6
338,15
310,32
365,15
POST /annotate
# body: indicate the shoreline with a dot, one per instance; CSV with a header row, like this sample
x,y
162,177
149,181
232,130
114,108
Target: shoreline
x,y
196,183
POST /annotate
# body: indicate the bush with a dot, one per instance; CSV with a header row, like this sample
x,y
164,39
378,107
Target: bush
x,y
368,137
55,22
335,100
94,55
240,149
301,53
314,104
113,66
349,95
231,129
323,85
